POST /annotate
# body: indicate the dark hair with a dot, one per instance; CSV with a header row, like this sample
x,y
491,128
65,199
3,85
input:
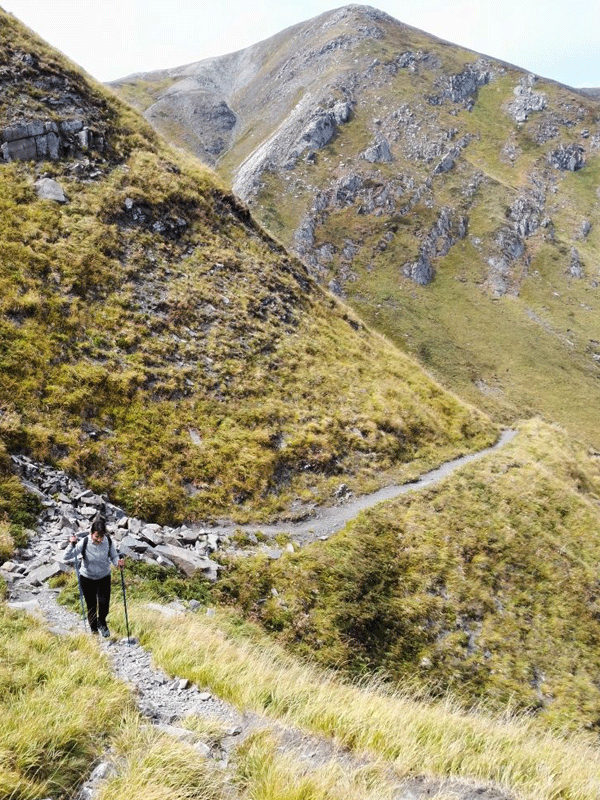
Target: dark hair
x,y
99,525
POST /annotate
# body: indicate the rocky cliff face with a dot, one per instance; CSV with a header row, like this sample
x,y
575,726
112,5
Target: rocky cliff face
x,y
389,160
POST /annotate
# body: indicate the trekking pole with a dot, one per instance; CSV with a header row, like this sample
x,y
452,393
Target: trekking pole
x,y
125,605
80,591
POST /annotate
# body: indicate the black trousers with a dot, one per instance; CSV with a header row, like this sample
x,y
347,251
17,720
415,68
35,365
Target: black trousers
x,y
97,599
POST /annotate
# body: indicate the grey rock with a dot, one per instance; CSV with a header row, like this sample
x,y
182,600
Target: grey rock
x,y
25,131
181,734
20,150
526,100
100,772
272,552
526,212
188,561
49,189
135,526
188,536
31,607
576,267
420,271
586,227
568,157
448,229
166,611
134,543
463,86
71,126
202,749
445,165
378,153
43,573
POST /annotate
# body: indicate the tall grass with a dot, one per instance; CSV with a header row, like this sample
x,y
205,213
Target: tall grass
x,y
434,739
153,766
59,703
267,770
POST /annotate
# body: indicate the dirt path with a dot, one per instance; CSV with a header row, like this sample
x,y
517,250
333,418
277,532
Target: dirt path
x,y
327,521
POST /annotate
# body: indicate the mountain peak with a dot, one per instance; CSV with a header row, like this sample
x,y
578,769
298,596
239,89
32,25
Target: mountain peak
x,y
389,159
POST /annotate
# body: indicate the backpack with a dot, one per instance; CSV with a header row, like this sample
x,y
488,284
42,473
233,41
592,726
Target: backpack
x,y
85,544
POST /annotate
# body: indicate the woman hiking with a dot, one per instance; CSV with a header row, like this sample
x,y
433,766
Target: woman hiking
x,y
97,551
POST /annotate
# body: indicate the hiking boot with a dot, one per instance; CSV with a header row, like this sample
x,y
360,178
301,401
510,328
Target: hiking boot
x,y
94,631
104,631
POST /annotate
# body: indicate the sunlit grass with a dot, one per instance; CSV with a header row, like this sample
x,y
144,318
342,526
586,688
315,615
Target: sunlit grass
x,y
436,739
59,704
154,766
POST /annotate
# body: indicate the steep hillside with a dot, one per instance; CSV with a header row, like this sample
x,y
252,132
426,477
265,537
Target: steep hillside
x,y
449,197
485,584
156,341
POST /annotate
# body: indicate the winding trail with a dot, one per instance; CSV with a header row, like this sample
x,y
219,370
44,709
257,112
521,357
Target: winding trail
x,y
163,700
327,521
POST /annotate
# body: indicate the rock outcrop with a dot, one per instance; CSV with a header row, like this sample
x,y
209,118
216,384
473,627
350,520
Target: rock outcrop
x,y
526,101
567,157
42,140
69,508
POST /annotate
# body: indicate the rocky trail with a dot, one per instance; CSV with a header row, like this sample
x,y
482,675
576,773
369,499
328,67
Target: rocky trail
x,y
165,700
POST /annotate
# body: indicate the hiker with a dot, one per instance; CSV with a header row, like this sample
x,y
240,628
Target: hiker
x,y
97,551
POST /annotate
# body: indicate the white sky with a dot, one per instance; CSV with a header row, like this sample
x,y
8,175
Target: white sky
x,y
114,38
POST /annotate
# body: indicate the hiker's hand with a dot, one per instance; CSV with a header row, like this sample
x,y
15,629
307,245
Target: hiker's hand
x,y
120,563
73,540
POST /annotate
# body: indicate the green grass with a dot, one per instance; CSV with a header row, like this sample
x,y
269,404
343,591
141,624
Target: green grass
x,y
485,585
59,706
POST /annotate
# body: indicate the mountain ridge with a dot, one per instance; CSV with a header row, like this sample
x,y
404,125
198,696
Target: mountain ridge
x,y
392,158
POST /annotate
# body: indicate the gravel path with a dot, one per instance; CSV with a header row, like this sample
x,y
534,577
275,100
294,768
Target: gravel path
x,y
323,522
165,700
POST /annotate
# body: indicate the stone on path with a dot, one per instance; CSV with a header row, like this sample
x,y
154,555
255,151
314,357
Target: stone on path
x,y
41,574
31,607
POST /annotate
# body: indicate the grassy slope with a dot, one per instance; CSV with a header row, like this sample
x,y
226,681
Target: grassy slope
x,y
490,350
434,739
486,583
44,754
208,369
530,351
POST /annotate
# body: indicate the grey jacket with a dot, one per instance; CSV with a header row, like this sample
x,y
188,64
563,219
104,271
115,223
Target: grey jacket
x,y
97,559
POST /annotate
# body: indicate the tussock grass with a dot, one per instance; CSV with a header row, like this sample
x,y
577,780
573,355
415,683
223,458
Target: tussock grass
x,y
58,704
153,766
264,771
485,583
6,542
435,739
